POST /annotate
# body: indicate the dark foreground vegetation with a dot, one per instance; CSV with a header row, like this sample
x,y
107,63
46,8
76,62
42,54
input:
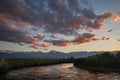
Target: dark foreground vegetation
x,y
106,62
7,65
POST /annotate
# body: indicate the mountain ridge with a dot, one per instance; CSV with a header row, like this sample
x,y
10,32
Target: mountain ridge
x,y
48,55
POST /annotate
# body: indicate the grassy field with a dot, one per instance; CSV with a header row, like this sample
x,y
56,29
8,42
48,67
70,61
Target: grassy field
x,y
105,62
7,65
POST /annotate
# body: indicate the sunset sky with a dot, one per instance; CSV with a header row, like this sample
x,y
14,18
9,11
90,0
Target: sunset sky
x,y
61,25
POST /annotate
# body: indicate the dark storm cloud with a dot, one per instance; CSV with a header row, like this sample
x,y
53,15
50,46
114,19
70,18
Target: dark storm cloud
x,y
54,16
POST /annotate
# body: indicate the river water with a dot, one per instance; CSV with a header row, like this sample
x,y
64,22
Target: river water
x,y
64,71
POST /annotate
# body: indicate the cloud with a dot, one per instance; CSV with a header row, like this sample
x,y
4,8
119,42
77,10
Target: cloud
x,y
116,18
23,24
104,38
13,35
35,46
4,18
21,19
118,39
84,38
110,30
88,14
98,22
46,46
35,41
95,39
61,43
12,31
103,17
40,36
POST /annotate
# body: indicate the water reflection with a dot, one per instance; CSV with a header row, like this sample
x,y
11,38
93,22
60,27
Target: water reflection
x,y
59,72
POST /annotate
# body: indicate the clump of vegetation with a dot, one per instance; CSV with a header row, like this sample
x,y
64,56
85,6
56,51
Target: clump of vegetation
x,y
106,62
4,66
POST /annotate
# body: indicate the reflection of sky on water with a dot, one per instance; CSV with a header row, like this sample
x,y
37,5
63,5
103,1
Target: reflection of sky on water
x,y
59,72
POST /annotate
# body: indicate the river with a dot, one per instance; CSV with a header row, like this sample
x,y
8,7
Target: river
x,y
64,71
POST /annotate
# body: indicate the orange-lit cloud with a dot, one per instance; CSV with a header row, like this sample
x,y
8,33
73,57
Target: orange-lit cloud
x,y
116,18
26,38
106,15
107,38
64,43
35,41
84,38
35,46
19,20
103,28
61,43
45,45
85,41
20,25
4,18
7,20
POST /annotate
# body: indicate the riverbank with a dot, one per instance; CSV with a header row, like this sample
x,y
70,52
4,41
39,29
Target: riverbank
x,y
7,65
104,63
65,71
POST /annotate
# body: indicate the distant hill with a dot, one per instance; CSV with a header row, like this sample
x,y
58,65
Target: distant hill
x,y
49,55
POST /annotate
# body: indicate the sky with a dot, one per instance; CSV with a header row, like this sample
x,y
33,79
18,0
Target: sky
x,y
61,25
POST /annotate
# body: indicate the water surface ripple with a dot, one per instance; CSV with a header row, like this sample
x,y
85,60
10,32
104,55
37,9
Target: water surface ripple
x,y
59,72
